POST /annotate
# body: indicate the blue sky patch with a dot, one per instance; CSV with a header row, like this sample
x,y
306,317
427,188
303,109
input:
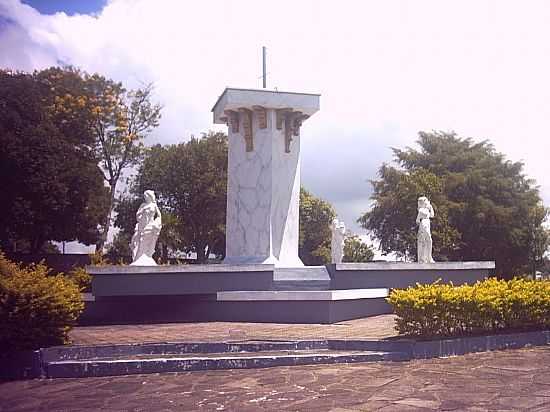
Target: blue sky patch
x,y
68,6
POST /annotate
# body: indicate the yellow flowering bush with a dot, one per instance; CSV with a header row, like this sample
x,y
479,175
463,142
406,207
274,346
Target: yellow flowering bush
x,y
487,306
36,310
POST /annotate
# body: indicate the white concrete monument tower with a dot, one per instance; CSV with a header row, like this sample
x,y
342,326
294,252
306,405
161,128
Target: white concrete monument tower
x,y
263,177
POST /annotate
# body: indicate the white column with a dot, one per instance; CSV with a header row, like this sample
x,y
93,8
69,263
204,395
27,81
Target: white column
x,y
263,187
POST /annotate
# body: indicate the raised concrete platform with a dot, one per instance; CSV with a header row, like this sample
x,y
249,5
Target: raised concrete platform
x,y
259,293
398,275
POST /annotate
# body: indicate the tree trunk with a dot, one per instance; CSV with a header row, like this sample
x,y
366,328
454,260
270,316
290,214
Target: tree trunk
x,y
201,256
100,244
164,254
36,244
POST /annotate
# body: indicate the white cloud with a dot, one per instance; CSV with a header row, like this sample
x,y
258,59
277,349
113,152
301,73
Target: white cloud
x,y
386,69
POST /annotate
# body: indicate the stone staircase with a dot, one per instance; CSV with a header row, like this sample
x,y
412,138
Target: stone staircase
x,y
112,360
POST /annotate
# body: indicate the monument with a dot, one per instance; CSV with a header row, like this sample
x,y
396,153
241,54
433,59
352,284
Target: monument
x,y
262,278
263,187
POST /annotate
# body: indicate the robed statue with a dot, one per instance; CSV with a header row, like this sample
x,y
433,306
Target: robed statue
x,y
338,229
148,226
424,237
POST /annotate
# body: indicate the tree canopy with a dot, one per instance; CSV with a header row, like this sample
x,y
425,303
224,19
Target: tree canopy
x,y
356,251
485,207
190,181
114,119
52,188
315,218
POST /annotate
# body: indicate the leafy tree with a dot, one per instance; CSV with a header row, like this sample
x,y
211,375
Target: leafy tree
x,y
395,209
315,218
126,209
355,250
483,203
545,265
117,120
118,250
52,188
190,181
538,238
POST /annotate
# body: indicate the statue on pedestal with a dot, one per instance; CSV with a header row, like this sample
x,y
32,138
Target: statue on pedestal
x,y
424,237
148,226
338,229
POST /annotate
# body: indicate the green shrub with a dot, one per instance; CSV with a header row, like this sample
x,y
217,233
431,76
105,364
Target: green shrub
x,y
99,259
487,306
36,310
82,278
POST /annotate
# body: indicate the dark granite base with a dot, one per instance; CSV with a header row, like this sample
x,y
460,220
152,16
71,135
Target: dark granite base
x,y
205,308
178,279
187,293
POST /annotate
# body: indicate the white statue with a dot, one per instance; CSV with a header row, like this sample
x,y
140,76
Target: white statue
x,y
149,223
424,238
338,230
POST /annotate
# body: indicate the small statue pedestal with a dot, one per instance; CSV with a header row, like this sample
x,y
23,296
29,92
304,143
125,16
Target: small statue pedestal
x,y
144,260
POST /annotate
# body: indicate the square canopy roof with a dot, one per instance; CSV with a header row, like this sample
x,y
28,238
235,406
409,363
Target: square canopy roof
x,y
234,99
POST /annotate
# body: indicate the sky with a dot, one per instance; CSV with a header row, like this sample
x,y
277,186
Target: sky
x,y
69,7
385,71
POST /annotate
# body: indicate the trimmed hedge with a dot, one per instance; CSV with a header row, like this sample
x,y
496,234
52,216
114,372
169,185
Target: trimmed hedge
x,y
487,306
36,310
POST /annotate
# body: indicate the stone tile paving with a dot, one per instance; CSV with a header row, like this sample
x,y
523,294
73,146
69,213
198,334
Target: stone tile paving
x,y
513,380
376,327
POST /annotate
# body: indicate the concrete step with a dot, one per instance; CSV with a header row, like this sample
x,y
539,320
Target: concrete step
x,y
305,278
87,352
84,352
302,295
143,364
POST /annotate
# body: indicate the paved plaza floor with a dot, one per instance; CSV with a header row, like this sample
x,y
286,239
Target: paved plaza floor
x,y
512,380
376,327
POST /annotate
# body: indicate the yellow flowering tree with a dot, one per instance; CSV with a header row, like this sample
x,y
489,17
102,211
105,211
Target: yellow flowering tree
x,y
117,120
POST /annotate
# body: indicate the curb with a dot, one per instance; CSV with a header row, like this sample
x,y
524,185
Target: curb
x,y
461,346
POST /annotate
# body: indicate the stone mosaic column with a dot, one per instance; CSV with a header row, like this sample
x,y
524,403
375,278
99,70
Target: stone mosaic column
x,y
263,182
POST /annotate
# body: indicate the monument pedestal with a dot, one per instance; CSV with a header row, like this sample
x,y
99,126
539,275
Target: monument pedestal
x,y
259,293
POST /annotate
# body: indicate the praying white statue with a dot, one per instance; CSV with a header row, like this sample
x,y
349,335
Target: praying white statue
x,y
148,226
338,229
424,237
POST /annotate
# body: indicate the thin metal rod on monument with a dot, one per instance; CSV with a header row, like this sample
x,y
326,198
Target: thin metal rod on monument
x,y
264,75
